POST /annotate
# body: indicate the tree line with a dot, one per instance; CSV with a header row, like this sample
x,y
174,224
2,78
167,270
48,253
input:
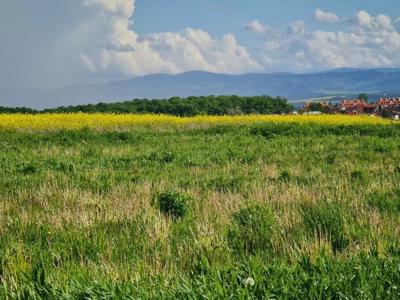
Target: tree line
x,y
190,106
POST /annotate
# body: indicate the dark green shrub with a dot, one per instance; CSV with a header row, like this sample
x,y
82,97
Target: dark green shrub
x,y
29,169
383,148
252,230
327,220
284,176
167,157
357,175
330,158
173,204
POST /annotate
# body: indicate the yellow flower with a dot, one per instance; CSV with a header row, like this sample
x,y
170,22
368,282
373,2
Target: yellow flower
x,y
120,121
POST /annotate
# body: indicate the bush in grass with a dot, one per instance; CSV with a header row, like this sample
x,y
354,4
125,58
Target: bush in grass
x,y
252,230
357,175
173,204
284,176
327,220
331,158
29,169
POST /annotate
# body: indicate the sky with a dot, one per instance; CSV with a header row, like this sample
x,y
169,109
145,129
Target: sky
x,y
54,43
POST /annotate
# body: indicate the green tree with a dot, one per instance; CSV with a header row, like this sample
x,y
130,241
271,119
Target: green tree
x,y
363,96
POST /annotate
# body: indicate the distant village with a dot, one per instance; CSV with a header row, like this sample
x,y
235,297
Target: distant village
x,y
384,107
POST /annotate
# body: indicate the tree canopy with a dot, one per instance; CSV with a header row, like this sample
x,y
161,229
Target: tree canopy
x,y
191,106
363,96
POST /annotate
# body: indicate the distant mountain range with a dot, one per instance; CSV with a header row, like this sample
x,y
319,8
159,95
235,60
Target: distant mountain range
x,y
338,82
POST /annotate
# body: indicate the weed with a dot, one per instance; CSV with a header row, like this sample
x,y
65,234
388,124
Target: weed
x,y
357,175
327,220
330,158
173,204
29,169
252,230
284,176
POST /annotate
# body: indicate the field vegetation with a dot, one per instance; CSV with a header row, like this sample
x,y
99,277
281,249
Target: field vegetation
x,y
99,121
158,207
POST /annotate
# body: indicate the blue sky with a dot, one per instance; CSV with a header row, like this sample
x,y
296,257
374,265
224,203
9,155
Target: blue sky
x,y
51,43
220,16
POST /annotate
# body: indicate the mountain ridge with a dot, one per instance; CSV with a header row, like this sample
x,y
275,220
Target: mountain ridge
x,y
293,86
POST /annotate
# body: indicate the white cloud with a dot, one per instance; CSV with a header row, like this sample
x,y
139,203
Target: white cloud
x,y
368,41
363,18
325,16
124,51
118,8
297,28
367,22
197,50
255,26
384,22
96,40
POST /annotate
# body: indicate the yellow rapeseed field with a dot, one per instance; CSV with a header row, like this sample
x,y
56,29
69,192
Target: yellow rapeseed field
x,y
117,121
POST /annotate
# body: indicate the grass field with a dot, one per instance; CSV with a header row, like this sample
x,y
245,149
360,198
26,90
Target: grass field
x,y
263,207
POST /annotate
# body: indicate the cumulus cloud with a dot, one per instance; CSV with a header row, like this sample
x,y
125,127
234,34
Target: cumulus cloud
x,y
255,26
367,41
95,40
126,52
259,28
325,16
195,49
362,18
378,23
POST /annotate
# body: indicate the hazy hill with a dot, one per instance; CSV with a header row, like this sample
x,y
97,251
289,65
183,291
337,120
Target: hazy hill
x,y
289,85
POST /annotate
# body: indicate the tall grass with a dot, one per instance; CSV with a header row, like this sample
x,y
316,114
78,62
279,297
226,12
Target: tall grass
x,y
257,211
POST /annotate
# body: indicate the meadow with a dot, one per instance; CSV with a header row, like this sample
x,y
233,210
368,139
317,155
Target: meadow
x,y
108,206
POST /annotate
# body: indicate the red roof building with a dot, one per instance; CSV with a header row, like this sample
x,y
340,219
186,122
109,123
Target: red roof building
x,y
356,106
352,103
387,102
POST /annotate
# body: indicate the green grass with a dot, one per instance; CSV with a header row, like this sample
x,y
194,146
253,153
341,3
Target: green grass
x,y
265,211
